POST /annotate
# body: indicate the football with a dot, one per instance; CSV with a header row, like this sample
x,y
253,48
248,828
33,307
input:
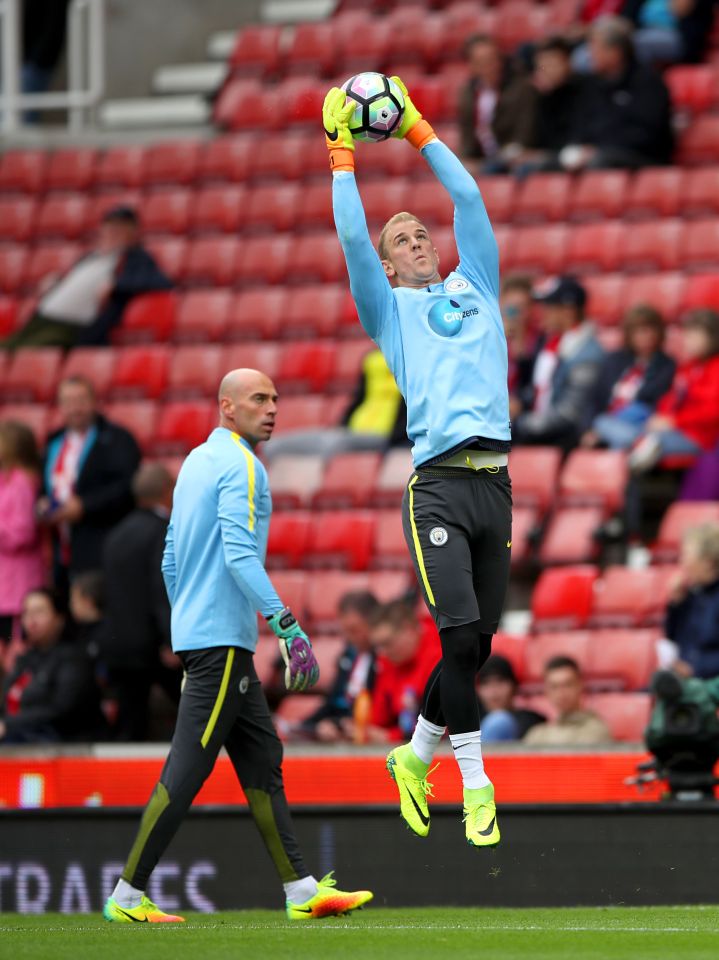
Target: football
x,y
379,106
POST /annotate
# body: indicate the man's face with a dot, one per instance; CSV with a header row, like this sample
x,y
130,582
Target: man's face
x,y
114,235
563,689
251,408
412,260
551,71
698,571
607,59
355,629
557,318
516,307
497,693
77,406
485,62
398,644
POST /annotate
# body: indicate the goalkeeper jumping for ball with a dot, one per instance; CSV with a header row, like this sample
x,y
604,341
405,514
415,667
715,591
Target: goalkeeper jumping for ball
x,y
445,344
213,566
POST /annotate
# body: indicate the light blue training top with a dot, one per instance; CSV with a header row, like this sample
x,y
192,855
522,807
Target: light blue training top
x,y
444,343
214,556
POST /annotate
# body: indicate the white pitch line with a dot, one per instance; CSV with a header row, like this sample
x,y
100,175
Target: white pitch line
x,y
329,926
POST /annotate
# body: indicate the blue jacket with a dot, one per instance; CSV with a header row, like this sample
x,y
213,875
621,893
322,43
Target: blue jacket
x,y
693,625
214,556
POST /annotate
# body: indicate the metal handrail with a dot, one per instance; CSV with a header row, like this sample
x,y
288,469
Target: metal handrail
x,y
86,66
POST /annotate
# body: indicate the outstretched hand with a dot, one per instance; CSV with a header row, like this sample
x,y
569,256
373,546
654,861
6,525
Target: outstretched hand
x,y
336,113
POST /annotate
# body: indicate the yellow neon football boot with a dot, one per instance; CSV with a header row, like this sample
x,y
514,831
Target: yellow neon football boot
x,y
413,790
146,912
480,817
328,901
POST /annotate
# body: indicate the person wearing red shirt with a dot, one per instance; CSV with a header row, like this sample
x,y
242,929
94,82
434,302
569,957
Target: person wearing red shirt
x,y
407,651
687,417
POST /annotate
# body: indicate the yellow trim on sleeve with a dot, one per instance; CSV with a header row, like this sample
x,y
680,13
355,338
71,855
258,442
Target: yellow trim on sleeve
x,y
417,545
210,728
250,482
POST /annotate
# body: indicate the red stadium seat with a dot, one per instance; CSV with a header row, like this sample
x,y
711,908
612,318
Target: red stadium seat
x,y
167,211
664,291
227,158
8,315
315,208
288,539
654,245
173,162
464,19
363,43
100,204
32,375
524,527
137,416
259,356
692,87
443,239
23,171
36,416
393,477
348,364
622,659
539,650
292,587
432,204
418,40
328,652
49,260
700,290
257,51
202,315
543,196
499,195
264,259
195,371
512,647
62,216
625,597
535,475
379,198
520,22
605,297
656,192
389,548
701,191
184,425
597,247
302,413
148,318
341,539
213,261
219,209
570,535
294,479
13,267
302,99
600,194
140,372
325,589
245,105
96,364
311,49
348,481
562,598
699,143
122,166
283,156
72,170
272,208
314,310
699,249
306,366
171,254
541,248
681,516
258,314
594,478
626,714
17,218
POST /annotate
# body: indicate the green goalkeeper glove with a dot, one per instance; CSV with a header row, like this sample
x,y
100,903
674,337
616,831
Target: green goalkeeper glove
x,y
336,113
301,667
413,128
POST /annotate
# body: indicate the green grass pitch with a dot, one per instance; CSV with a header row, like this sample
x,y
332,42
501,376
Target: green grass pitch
x,y
625,933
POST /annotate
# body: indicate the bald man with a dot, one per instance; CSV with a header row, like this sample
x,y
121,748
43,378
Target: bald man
x,y
214,572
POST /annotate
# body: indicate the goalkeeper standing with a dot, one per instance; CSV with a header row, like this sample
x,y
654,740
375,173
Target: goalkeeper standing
x,y
213,567
444,342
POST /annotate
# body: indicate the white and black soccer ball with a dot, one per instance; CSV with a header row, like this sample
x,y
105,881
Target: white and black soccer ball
x,y
379,106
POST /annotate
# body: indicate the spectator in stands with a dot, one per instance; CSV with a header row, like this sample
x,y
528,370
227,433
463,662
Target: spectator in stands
x,y
375,419
555,405
687,417
692,620
87,606
573,726
497,688
631,382
21,561
496,107
623,113
137,652
670,31
355,670
84,304
88,468
407,651
515,304
50,695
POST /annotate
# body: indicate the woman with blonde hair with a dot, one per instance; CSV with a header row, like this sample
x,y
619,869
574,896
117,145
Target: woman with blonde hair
x,y
692,618
21,559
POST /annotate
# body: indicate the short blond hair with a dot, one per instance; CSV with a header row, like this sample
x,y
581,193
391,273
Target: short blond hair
x,y
704,540
403,217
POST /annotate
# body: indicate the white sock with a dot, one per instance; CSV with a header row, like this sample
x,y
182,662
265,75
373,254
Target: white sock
x,y
300,891
127,896
425,739
468,754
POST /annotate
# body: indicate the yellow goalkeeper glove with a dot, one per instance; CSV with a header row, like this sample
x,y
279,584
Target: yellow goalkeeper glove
x,y
413,128
336,113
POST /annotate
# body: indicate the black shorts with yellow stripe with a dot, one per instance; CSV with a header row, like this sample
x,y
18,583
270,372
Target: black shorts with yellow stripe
x,y
458,527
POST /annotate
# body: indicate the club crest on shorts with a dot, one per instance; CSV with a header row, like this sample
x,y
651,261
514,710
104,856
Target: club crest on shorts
x,y
438,536
244,684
